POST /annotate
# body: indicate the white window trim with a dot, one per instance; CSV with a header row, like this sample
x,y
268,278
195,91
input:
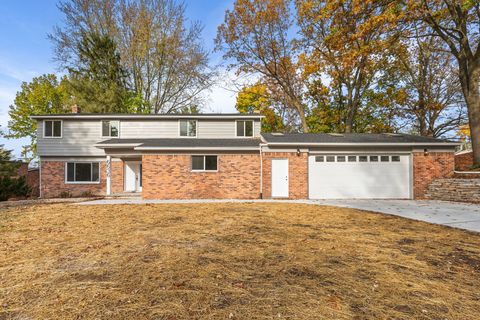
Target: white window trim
x,y
82,182
187,120
203,155
52,137
253,129
110,131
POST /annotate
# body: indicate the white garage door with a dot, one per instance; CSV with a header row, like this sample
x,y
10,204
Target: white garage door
x,y
354,176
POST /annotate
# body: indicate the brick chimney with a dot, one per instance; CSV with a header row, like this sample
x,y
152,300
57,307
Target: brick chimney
x,y
75,109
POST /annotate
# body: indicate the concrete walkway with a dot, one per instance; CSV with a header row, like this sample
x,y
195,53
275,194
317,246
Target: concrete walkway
x,y
454,214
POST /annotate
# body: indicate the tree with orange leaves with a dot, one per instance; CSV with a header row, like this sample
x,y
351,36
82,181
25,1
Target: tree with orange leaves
x,y
255,38
351,49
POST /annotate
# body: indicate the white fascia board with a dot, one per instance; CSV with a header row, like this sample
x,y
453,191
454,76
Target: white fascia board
x,y
118,145
146,117
196,148
364,144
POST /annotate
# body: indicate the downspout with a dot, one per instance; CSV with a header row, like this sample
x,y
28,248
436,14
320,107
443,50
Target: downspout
x,y
261,170
40,193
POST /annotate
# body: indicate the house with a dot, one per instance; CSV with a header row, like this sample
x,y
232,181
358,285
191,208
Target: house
x,y
226,156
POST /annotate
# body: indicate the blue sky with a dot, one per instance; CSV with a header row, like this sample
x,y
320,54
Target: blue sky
x,y
25,51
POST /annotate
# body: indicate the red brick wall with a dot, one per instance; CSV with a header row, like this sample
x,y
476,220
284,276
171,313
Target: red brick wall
x,y
53,181
297,174
117,171
170,177
427,168
463,161
33,180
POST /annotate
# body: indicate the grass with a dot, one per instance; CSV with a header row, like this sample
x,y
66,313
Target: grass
x,y
232,261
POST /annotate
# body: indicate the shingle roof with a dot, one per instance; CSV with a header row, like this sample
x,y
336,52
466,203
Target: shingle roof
x,y
348,138
183,143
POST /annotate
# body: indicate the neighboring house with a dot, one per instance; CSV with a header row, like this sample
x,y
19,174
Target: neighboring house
x,y
226,156
463,160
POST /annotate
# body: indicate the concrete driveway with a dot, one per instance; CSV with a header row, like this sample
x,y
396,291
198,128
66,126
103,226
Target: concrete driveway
x,y
454,214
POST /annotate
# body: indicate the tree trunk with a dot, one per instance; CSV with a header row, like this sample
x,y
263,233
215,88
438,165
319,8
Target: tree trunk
x,y
473,103
301,113
303,120
470,85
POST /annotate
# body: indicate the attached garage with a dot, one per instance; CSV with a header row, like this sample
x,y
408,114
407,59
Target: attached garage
x,y
359,176
353,165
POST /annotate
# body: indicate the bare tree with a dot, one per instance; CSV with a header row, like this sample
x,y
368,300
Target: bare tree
x,y
434,104
166,62
457,23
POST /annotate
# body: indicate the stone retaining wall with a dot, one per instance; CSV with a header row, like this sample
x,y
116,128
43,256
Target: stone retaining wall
x,y
463,190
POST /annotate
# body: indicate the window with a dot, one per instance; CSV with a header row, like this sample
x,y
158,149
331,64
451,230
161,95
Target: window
x,y
352,158
362,158
188,128
319,159
340,158
82,172
330,158
204,163
395,158
245,128
110,128
373,158
384,158
52,129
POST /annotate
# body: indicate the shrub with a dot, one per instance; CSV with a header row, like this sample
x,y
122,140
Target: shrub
x,y
87,194
13,187
65,194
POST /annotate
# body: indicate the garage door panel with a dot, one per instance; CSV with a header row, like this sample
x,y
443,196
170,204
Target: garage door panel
x,y
368,180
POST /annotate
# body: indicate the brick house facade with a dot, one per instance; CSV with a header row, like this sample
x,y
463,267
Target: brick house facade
x,y
297,169
429,167
463,160
153,156
170,177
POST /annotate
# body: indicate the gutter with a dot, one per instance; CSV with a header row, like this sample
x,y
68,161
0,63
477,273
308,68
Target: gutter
x,y
195,148
145,117
363,144
118,145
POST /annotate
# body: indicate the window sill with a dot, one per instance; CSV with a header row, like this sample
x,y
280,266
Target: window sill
x,y
83,182
200,171
52,137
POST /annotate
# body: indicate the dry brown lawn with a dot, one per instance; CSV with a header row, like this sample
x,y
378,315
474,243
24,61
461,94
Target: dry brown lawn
x,y
232,261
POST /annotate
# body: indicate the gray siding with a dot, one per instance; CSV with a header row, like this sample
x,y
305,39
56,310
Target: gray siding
x,y
138,129
78,139
80,136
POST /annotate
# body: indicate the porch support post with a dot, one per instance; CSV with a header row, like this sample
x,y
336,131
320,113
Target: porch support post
x,y
109,175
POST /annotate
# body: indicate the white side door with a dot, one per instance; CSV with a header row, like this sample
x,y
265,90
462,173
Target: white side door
x,y
280,178
133,178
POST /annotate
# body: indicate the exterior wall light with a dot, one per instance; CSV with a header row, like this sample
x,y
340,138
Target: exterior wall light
x,y
425,152
298,152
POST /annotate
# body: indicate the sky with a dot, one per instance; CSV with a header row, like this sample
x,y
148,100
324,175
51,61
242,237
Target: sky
x,y
25,51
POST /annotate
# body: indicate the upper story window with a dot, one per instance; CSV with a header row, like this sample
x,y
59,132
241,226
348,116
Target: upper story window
x,y
245,128
188,128
52,129
110,128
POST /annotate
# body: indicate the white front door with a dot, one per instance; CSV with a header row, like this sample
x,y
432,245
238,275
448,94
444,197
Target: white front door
x,y
133,176
280,178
